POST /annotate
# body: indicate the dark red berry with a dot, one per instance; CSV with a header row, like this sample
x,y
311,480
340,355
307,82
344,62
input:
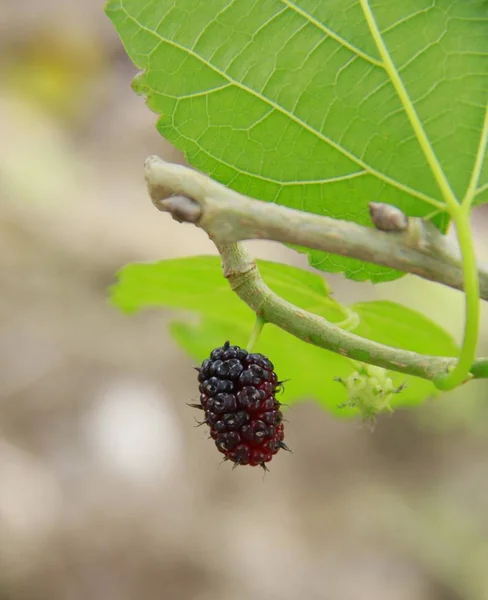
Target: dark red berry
x,y
237,395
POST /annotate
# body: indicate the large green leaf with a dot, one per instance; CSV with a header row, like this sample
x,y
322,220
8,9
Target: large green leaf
x,y
196,284
289,101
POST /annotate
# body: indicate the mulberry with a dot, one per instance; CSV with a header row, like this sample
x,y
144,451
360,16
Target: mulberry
x,y
237,395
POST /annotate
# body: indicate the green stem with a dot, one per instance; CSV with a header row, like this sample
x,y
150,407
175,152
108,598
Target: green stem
x,y
479,369
256,332
461,219
244,278
459,214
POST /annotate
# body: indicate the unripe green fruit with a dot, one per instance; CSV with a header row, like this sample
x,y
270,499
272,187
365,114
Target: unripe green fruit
x,y
370,389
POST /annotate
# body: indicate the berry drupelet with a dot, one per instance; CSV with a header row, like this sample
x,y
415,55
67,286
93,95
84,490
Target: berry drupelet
x,y
237,395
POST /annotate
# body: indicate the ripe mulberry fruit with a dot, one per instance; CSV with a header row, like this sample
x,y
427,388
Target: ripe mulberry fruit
x,y
237,395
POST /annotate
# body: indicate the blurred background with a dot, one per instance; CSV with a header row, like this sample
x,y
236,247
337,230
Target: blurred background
x,y
107,491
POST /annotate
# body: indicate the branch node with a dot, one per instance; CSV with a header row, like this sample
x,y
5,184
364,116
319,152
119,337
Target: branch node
x,y
387,217
425,237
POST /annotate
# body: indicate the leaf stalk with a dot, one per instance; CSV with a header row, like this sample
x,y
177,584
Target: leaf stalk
x,y
462,222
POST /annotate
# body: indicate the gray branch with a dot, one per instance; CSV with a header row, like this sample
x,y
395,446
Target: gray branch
x,y
413,246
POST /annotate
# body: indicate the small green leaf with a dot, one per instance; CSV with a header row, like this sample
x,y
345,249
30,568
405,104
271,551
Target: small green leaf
x,y
196,284
290,102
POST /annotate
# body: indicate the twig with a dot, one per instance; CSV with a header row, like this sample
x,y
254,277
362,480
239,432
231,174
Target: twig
x,y
228,216
243,275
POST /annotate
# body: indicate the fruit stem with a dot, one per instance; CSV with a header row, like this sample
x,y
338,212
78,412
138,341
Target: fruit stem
x,y
256,332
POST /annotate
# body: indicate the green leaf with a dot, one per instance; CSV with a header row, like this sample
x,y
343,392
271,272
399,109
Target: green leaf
x,y
196,284
288,101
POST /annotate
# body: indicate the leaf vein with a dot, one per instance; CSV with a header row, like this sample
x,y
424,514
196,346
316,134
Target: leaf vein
x,y
422,139
280,182
330,33
478,163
